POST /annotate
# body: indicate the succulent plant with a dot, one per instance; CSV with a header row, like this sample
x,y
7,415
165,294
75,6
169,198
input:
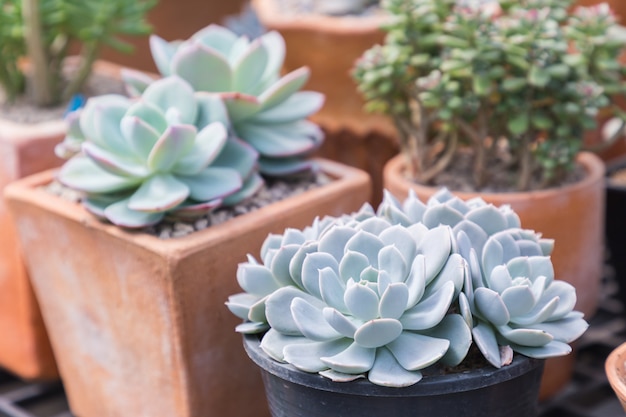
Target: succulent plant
x,y
48,30
164,153
265,110
515,301
390,292
501,82
368,298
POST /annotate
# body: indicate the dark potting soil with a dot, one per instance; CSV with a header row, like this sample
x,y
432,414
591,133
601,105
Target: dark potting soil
x,y
499,176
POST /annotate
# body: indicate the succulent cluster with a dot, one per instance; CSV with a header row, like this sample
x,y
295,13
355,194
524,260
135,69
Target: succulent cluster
x,y
265,109
199,138
517,82
384,294
166,152
44,30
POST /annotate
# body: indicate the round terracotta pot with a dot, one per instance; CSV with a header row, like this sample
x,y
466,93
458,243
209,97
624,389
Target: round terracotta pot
x,y
572,215
329,46
615,368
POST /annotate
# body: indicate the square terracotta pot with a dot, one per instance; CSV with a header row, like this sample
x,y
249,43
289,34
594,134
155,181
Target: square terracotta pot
x,y
26,149
24,347
138,324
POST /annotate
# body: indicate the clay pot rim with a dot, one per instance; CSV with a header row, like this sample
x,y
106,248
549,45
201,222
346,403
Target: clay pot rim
x,y
269,14
615,359
593,165
26,189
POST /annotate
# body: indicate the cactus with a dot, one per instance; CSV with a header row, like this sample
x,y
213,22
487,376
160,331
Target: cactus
x,y
265,110
166,153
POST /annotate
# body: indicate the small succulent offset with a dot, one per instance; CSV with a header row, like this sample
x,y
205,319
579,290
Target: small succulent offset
x,y
265,110
512,83
385,294
167,152
515,301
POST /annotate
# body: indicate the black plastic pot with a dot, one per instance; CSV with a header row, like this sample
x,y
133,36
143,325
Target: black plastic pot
x,y
615,224
511,391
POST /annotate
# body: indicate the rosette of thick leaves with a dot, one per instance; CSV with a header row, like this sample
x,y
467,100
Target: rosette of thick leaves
x,y
515,301
166,152
476,218
366,298
266,110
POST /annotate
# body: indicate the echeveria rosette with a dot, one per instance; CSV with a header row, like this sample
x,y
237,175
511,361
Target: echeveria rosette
x,y
476,218
516,303
368,297
165,152
265,110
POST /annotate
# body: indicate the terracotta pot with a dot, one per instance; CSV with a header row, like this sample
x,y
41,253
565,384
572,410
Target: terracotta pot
x,y
138,324
24,150
329,46
572,215
615,368
369,152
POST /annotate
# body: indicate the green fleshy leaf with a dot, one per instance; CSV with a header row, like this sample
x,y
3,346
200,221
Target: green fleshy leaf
x,y
354,359
519,123
203,68
311,322
306,356
212,183
387,372
284,88
159,193
209,143
120,215
114,163
162,53
378,332
416,351
298,106
82,174
250,67
429,311
491,307
175,142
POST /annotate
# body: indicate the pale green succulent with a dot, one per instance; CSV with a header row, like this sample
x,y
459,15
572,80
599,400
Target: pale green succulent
x,y
387,293
516,303
166,152
366,297
535,317
265,110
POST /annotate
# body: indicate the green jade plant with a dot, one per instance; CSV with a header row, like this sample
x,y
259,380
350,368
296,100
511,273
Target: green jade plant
x,y
265,109
45,30
165,153
515,83
388,294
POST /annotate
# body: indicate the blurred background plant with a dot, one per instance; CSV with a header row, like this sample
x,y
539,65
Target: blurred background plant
x,y
517,82
44,31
